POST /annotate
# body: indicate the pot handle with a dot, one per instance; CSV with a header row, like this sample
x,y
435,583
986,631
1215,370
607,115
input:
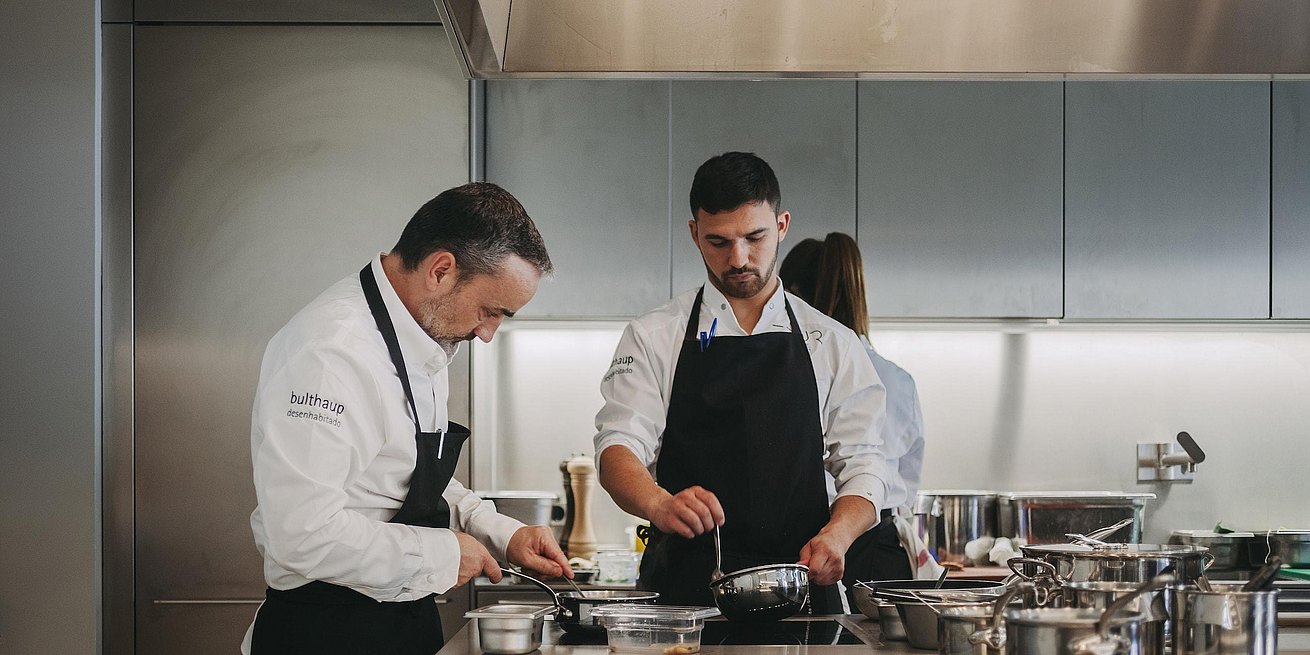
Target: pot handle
x,y
1104,643
994,637
1207,558
1049,570
559,606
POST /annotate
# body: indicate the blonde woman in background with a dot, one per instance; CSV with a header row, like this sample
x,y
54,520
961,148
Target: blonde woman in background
x,y
829,276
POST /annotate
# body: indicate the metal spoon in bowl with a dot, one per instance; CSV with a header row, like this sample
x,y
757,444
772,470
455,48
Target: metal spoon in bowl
x,y
718,558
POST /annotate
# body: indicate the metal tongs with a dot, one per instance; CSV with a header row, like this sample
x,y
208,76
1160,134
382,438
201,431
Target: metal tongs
x,y
1094,538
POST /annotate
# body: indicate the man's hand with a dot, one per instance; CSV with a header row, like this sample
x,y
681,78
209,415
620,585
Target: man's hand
x,y
692,511
474,560
825,554
533,547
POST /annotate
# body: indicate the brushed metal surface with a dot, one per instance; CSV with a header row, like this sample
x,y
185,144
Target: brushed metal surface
x,y
960,198
117,347
589,161
1167,200
805,129
337,11
952,38
270,163
1291,199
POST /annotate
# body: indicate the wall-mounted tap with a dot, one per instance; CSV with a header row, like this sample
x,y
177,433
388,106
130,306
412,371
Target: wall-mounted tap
x,y
1169,462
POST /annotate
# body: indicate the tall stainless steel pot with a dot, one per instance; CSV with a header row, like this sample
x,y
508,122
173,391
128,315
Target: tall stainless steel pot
x,y
947,520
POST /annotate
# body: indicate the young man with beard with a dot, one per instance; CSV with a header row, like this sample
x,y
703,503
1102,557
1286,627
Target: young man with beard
x,y
743,408
358,519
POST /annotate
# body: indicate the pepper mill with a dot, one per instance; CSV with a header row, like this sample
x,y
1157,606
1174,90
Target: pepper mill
x,y
582,481
568,508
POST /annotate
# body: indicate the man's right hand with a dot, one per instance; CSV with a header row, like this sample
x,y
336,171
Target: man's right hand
x,y
474,560
692,511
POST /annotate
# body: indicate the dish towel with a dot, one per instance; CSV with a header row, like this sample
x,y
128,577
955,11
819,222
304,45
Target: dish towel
x,y
922,563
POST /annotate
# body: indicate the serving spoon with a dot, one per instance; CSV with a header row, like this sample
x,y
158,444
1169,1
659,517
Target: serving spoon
x,y
718,558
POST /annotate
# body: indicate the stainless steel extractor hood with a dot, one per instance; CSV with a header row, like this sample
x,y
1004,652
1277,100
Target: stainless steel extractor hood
x,y
1005,39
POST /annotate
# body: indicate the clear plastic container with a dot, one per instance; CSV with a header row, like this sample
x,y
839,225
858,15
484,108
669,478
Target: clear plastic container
x,y
653,629
616,566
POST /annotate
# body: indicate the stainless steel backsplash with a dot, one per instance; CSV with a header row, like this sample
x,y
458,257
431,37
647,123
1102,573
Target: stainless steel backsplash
x,y
1007,406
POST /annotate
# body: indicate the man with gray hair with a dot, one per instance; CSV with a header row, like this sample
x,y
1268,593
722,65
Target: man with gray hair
x,y
358,519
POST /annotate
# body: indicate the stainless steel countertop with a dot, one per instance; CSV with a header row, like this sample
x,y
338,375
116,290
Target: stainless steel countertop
x,y
1291,641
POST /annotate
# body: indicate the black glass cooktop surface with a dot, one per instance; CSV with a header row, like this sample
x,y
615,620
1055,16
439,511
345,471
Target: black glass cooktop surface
x,y
809,633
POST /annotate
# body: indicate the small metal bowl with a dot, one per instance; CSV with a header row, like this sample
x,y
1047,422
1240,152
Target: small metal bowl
x,y
509,629
762,593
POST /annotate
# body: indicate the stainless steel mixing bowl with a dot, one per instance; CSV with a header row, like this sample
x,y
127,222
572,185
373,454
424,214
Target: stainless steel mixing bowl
x,y
762,593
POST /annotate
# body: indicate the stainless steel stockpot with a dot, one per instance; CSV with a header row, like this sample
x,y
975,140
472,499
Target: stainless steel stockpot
x,y
1225,621
1119,562
1151,605
948,520
1058,630
956,627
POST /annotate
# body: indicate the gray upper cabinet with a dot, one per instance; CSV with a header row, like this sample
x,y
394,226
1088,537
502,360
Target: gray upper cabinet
x,y
1167,200
805,129
337,11
959,198
1291,200
589,161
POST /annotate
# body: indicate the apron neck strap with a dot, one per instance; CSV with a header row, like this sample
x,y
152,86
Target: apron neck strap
x,y
380,316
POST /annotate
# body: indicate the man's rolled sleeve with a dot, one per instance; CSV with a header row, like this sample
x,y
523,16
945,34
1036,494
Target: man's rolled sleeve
x,y
634,412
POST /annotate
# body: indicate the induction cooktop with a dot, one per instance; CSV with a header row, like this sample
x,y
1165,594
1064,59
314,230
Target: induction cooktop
x,y
807,633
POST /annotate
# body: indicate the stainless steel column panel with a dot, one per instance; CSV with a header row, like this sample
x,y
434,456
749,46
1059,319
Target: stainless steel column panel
x,y
589,161
116,346
1167,200
1291,200
270,163
50,359
353,11
804,129
959,198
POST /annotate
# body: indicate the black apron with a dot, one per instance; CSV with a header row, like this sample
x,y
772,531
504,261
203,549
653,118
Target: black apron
x,y
321,618
743,422
876,555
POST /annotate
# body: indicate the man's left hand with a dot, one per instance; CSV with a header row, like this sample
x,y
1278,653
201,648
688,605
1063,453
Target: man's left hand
x,y
825,554
533,547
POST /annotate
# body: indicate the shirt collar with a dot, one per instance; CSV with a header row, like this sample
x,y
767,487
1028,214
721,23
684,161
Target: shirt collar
x,y
774,317
415,344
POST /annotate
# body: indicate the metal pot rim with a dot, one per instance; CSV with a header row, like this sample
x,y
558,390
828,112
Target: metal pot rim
x,y
1119,551
728,577
1067,617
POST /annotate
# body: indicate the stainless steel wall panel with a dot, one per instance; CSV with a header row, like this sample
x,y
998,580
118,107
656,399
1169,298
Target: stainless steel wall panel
x,y
959,187
589,161
117,348
338,11
804,129
270,163
1291,200
50,509
1167,200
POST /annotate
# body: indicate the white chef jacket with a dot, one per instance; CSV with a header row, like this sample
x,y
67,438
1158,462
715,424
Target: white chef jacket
x,y
332,443
902,435
638,384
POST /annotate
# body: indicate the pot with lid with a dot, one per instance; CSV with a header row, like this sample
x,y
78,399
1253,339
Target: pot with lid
x,y
1118,562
